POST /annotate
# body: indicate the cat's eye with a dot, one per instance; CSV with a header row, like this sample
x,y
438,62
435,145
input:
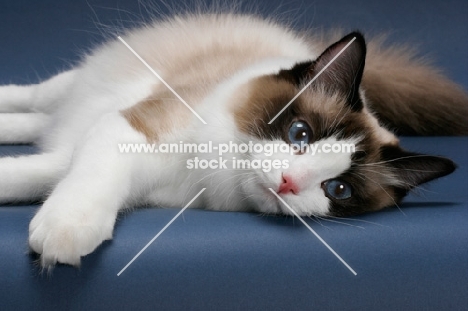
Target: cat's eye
x,y
337,189
299,133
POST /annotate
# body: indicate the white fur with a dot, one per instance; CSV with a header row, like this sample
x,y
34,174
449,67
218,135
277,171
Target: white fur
x,y
308,172
26,178
78,113
22,127
81,211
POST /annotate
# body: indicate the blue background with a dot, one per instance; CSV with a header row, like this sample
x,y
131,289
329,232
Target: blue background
x,y
408,259
40,38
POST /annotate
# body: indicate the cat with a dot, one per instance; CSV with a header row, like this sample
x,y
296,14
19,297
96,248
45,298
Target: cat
x,y
238,73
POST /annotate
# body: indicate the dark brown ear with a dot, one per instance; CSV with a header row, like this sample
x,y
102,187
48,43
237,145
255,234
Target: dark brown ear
x,y
412,169
342,75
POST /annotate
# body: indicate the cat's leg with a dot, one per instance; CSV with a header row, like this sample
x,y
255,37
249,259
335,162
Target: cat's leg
x,y
25,111
24,115
22,128
42,97
31,177
81,211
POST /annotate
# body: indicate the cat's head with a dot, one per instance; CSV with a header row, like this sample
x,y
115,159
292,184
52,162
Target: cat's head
x,y
331,110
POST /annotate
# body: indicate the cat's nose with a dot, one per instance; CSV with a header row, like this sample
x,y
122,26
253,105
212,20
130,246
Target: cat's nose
x,y
288,186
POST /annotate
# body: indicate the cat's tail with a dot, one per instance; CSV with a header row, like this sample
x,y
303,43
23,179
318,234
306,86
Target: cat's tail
x,y
411,97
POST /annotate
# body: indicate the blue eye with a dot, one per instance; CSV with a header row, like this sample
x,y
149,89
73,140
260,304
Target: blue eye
x,y
337,189
299,132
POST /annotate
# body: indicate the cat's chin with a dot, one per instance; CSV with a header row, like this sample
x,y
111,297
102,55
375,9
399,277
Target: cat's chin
x,y
265,201
261,200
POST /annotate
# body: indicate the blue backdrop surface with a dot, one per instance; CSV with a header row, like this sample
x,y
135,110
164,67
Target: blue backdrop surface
x,y
415,257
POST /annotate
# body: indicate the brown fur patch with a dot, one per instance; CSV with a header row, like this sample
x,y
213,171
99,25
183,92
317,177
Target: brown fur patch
x,y
214,55
257,103
192,79
156,117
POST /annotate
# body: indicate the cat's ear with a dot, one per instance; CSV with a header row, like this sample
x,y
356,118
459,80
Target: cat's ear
x,y
343,66
411,169
345,60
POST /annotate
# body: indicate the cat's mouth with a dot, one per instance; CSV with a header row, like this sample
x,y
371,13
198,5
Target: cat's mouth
x,y
279,208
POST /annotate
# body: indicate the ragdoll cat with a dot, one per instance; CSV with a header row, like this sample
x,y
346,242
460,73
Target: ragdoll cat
x,y
237,72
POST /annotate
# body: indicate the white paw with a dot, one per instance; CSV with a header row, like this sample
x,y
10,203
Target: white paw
x,y
64,233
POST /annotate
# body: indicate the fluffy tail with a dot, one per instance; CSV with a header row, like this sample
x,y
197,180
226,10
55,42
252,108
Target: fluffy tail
x,y
409,96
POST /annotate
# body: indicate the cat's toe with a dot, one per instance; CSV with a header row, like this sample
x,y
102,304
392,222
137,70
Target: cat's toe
x,y
57,245
60,239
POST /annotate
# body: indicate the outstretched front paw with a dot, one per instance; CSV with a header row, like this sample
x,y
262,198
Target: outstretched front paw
x,y
63,233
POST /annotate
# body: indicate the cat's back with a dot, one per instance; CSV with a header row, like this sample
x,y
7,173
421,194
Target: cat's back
x,y
192,53
198,47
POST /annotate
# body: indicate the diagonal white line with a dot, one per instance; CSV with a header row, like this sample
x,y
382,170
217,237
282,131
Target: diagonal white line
x,y
315,233
310,82
161,79
160,232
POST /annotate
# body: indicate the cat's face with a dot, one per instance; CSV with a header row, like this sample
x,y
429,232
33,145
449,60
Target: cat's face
x,y
332,110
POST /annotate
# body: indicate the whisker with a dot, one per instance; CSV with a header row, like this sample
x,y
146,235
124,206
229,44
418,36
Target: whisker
x,y
401,158
317,221
378,184
359,220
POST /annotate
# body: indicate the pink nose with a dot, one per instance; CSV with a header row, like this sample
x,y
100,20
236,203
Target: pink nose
x,y
288,186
